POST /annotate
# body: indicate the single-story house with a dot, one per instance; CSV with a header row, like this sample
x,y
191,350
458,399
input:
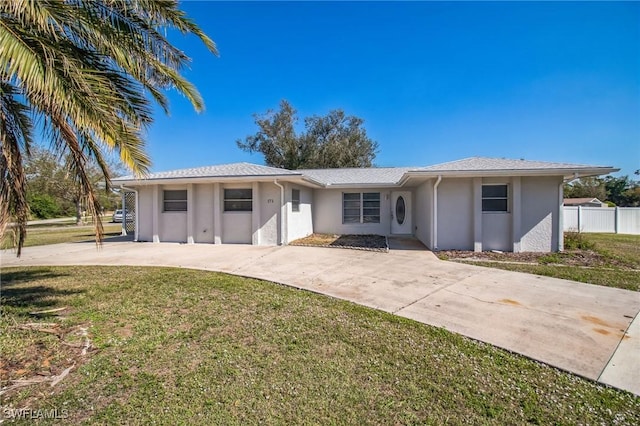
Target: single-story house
x,y
584,202
470,204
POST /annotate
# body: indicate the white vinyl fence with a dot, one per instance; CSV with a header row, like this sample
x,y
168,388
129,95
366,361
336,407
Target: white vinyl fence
x,y
618,220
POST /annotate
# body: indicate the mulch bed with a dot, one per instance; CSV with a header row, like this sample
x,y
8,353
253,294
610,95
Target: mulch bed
x,y
354,242
570,257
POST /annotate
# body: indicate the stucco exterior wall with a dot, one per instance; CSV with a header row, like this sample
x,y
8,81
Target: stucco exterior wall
x,y
497,232
236,226
172,226
203,217
455,214
145,214
423,208
327,213
300,224
269,198
540,213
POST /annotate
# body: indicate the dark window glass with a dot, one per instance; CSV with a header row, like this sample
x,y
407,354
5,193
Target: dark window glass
x,y
295,200
494,205
174,200
494,191
361,207
238,200
495,198
400,210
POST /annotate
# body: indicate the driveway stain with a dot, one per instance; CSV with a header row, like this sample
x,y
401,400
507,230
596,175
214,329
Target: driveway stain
x,y
510,302
597,321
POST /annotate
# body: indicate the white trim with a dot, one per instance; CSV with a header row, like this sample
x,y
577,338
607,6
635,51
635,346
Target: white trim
x,y
190,213
434,233
217,214
477,214
255,213
156,214
283,214
516,213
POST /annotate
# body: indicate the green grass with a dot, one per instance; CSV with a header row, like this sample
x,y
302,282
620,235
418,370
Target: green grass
x,y
624,248
174,346
609,277
55,233
610,260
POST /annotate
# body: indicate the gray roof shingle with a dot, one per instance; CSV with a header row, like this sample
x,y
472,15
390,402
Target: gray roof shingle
x,y
222,170
366,176
488,164
372,176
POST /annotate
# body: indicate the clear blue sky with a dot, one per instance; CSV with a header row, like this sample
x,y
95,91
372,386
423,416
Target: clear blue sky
x,y
434,82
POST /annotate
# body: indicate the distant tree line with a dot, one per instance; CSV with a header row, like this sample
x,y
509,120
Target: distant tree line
x,y
331,141
53,190
618,191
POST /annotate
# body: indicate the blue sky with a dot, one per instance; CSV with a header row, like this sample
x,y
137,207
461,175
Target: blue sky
x,y
433,81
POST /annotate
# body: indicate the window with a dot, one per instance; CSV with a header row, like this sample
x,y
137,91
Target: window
x,y
238,200
175,201
295,200
494,198
361,207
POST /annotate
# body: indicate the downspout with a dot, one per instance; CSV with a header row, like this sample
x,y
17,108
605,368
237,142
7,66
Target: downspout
x,y
124,213
435,212
282,213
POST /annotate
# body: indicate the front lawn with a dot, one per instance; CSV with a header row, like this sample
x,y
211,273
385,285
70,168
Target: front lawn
x,y
611,260
176,346
39,235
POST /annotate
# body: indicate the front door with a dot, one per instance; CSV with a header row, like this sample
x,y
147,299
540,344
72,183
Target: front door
x,y
401,212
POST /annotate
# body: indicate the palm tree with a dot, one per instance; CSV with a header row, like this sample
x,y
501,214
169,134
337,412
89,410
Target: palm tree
x,y
83,73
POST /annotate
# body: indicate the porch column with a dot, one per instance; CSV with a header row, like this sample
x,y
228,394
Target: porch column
x,y
217,215
560,230
156,214
191,213
516,214
255,214
477,214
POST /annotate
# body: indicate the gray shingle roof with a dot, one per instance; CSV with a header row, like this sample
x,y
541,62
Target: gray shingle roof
x,y
368,176
222,170
487,164
373,176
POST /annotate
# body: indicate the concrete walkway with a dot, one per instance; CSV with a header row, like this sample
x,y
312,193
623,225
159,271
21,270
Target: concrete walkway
x,y
581,328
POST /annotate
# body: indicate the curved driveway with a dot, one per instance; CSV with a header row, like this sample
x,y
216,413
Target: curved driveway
x,y
585,329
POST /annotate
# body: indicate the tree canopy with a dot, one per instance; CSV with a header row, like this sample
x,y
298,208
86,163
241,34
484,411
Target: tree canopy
x,y
331,141
83,74
621,191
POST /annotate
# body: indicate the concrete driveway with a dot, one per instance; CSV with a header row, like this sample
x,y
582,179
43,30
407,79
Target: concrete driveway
x,y
581,328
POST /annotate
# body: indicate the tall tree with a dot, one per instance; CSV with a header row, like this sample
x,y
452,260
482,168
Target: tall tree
x,y
331,141
587,187
86,71
622,191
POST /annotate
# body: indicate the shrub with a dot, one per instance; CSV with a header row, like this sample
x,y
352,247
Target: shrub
x,y
44,206
577,241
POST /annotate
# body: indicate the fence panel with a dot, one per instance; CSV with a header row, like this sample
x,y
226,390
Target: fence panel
x,y
621,220
598,219
570,218
629,220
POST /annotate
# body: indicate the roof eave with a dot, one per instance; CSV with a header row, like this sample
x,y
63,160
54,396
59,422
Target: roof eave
x,y
206,179
566,173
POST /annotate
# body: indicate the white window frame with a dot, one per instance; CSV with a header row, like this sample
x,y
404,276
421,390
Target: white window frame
x,y
226,200
295,201
176,202
499,198
359,204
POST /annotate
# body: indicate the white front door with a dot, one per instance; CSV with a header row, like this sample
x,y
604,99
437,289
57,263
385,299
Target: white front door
x,y
401,212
